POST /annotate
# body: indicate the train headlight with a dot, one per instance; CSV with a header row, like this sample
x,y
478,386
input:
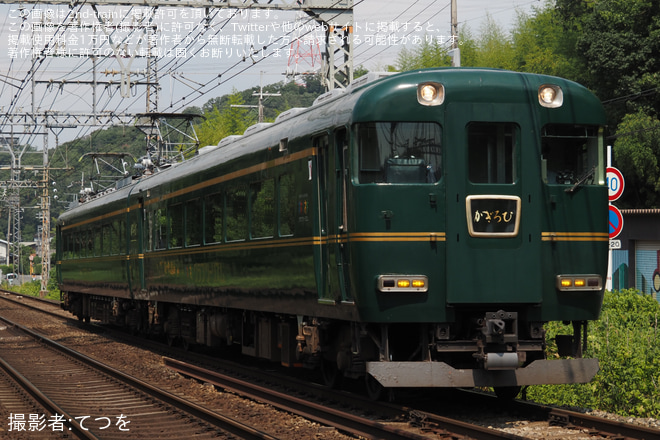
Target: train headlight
x,y
550,96
403,283
430,93
567,283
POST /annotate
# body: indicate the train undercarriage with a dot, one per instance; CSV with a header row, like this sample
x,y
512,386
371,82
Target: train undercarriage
x,y
498,349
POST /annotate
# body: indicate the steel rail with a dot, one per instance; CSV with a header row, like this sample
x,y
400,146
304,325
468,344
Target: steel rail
x,y
224,423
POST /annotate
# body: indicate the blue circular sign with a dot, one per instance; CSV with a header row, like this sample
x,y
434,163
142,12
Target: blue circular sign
x,y
615,221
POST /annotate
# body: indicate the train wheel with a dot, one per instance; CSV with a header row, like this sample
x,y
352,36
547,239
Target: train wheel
x,y
374,389
331,374
507,393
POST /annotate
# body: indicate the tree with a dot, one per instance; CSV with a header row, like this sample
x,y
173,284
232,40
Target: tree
x,y
430,53
636,153
495,49
222,120
620,47
540,45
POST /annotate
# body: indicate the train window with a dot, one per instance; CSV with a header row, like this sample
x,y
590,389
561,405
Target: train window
x,y
149,228
262,209
117,229
193,223
160,229
96,236
399,152
134,246
287,208
76,246
68,243
492,152
107,239
236,216
213,218
572,154
175,226
89,244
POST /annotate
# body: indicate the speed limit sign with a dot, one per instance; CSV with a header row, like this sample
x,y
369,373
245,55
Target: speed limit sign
x,y
615,183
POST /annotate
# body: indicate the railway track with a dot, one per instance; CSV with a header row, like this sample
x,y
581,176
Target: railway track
x,y
395,421
93,401
590,426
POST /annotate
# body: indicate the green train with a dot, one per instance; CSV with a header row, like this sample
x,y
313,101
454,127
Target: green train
x,y
415,230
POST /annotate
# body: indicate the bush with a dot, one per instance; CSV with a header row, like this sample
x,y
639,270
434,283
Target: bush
x,y
626,341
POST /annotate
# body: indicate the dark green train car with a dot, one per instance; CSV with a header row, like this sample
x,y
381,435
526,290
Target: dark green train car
x,y
417,230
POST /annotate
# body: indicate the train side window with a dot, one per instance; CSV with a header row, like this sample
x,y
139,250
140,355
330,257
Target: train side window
x,y
149,234
193,223
492,152
262,209
89,244
399,152
75,246
122,236
106,239
83,243
175,217
72,246
236,216
160,229
287,205
213,218
96,232
571,154
134,247
117,237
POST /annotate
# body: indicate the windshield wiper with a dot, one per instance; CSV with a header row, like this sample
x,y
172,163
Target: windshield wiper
x,y
581,180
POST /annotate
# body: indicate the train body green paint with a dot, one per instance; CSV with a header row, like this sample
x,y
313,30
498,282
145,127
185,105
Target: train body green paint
x,y
418,229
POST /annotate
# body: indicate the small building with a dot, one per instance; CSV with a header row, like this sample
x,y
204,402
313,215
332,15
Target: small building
x,y
636,264
3,252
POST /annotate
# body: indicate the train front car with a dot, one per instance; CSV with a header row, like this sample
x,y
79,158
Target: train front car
x,y
479,213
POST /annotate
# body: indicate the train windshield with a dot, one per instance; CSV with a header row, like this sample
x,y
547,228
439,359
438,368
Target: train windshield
x,y
572,154
399,152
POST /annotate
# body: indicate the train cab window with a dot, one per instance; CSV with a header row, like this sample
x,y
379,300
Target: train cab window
x,y
399,152
262,209
193,223
572,154
492,152
175,233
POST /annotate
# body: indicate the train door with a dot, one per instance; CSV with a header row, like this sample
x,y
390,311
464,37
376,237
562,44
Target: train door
x,y
135,247
340,212
332,251
321,252
493,208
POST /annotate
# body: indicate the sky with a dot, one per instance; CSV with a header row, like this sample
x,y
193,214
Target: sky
x,y
235,50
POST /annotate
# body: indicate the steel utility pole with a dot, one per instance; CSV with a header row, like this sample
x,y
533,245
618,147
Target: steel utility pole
x,y
455,51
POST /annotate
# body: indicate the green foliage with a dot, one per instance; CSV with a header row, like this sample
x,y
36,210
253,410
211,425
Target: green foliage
x,y
636,152
495,49
33,288
541,45
221,119
626,340
428,54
